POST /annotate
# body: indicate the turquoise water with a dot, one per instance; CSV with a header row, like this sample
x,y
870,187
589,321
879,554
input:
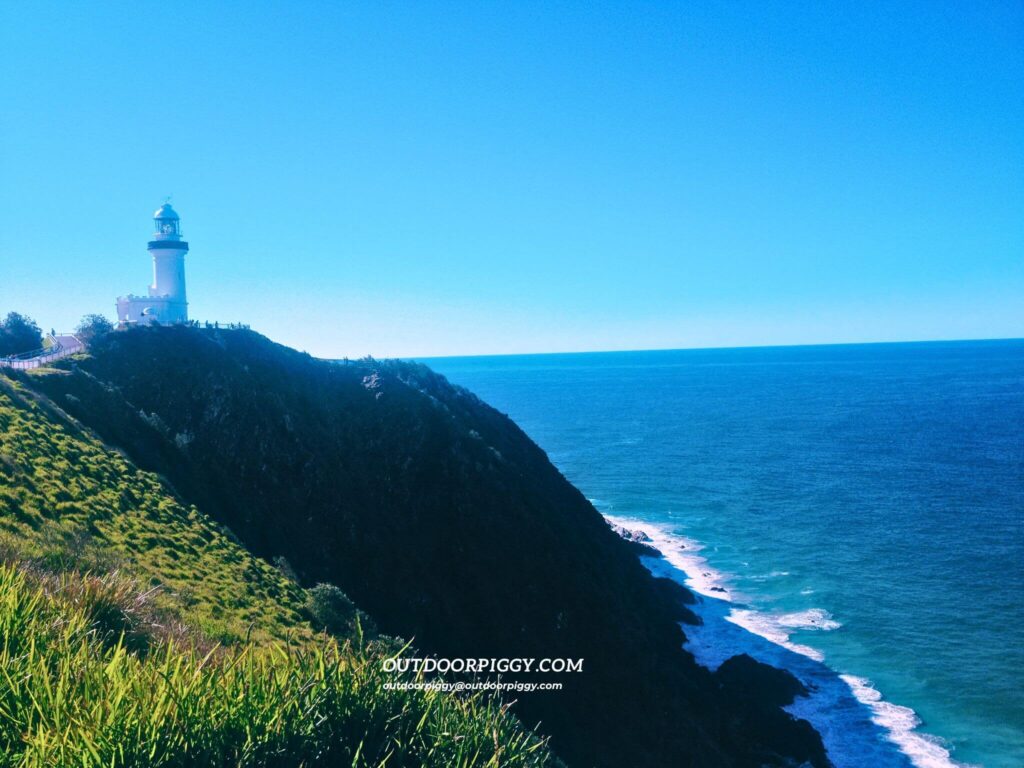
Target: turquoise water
x,y
859,504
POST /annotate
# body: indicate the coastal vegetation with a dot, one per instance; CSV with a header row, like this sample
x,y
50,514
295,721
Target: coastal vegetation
x,y
431,512
19,334
68,503
92,327
77,690
136,631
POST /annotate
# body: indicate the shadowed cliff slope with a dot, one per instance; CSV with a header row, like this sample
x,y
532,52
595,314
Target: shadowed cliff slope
x,y
441,519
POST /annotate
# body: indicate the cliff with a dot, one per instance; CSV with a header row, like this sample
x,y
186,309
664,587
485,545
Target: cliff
x,y
441,519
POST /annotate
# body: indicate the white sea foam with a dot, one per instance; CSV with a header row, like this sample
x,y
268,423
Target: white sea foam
x,y
924,750
858,727
772,575
814,618
775,628
683,554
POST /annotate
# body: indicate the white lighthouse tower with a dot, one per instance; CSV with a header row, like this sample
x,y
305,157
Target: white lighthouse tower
x,y
166,301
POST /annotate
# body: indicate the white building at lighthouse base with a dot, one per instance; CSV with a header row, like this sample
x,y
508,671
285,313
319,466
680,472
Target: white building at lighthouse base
x,y
143,310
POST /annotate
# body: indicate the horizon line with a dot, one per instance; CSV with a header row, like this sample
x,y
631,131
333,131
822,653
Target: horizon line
x,y
713,348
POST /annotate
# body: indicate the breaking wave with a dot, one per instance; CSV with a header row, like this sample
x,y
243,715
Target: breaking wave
x,y
857,725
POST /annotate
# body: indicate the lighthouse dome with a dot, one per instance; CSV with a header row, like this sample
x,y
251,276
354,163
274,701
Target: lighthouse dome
x,y
165,212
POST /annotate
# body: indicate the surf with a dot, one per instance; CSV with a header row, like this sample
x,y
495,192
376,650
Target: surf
x,y
858,726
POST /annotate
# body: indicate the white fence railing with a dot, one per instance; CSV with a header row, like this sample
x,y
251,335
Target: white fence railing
x,y
61,345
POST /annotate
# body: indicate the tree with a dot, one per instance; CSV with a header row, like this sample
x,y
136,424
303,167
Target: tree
x,y
331,611
93,327
19,334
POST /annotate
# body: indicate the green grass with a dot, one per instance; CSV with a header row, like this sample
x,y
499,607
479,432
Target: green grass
x,y
136,632
72,695
69,502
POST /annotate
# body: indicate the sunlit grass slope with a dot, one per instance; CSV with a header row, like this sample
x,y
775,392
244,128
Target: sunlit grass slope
x,y
66,501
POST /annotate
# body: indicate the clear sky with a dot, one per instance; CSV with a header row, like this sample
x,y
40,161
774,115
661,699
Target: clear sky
x,y
423,178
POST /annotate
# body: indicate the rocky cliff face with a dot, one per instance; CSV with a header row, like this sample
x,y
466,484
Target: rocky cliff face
x,y
444,521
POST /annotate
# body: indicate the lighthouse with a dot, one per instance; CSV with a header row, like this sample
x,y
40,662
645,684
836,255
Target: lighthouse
x,y
166,302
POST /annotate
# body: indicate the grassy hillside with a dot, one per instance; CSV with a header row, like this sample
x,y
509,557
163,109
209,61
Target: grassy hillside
x,y
440,518
68,502
136,632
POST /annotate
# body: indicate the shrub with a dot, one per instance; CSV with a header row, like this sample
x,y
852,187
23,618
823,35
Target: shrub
x,y
93,327
331,610
282,564
19,334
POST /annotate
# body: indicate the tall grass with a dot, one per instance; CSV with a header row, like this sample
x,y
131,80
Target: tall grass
x,y
69,696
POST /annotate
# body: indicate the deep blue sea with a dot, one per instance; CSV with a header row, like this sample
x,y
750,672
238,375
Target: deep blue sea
x,y
854,512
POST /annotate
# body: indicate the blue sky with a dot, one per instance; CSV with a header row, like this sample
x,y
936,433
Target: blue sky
x,y
458,178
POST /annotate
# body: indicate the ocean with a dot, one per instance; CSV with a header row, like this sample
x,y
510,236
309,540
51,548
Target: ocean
x,y
854,513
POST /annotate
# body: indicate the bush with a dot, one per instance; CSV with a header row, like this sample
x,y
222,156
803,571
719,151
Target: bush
x,y
331,610
19,334
282,564
93,327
